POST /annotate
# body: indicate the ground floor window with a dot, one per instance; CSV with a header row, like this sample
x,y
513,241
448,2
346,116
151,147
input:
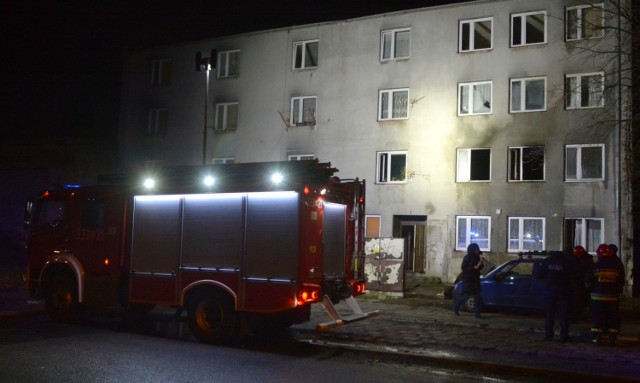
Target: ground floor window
x,y
473,229
586,232
526,234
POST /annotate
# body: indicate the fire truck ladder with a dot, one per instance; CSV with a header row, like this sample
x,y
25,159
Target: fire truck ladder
x,y
337,320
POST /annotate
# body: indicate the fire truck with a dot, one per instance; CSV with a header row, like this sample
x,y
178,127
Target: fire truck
x,y
239,247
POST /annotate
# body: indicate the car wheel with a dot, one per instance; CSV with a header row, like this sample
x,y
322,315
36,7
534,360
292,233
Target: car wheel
x,y
470,304
61,300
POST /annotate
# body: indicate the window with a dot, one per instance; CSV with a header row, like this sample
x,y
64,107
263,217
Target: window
x,y
228,64
585,90
473,229
227,116
526,234
528,94
372,226
585,232
303,111
393,104
223,160
584,163
51,214
473,165
475,35
305,54
528,28
584,22
395,44
301,157
526,163
158,122
392,167
474,98
161,72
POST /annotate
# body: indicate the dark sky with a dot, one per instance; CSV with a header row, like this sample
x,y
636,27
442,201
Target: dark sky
x,y
62,60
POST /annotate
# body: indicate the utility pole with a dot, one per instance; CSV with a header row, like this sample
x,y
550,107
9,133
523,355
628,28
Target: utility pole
x,y
205,64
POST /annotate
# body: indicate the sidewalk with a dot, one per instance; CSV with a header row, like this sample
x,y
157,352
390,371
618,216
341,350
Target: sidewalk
x,y
422,326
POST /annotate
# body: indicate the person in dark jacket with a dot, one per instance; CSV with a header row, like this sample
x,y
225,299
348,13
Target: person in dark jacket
x,y
472,263
557,270
605,281
583,263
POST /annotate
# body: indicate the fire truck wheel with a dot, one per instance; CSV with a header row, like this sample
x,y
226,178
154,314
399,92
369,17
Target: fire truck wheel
x,y
62,299
212,318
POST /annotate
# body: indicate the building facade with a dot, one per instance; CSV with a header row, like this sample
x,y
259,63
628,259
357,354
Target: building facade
x,y
495,122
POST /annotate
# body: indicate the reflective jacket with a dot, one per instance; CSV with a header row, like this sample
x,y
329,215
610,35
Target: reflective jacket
x,y
605,280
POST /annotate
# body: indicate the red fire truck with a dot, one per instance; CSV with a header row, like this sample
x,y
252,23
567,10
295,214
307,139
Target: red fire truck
x,y
238,251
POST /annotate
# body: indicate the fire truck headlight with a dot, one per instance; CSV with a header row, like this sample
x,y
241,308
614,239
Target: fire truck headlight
x,y
149,183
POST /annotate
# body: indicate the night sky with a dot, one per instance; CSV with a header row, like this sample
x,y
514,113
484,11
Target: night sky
x,y
62,60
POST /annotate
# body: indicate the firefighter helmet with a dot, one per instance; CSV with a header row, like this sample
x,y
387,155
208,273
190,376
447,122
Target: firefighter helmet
x,y
579,251
603,250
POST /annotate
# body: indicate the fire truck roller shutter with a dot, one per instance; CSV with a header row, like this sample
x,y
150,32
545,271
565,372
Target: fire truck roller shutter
x,y
333,236
212,230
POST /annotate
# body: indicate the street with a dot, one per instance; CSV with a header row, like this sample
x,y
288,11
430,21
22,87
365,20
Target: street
x,y
37,350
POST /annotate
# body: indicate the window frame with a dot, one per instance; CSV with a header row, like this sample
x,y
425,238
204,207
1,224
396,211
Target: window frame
x,y
300,115
579,168
161,72
580,19
301,157
578,94
157,121
303,59
468,171
223,160
227,60
387,163
584,233
367,219
391,93
523,94
392,49
523,28
468,240
520,234
471,99
521,162
225,116
471,37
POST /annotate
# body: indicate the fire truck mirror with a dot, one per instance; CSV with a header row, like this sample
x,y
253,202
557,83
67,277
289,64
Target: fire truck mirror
x,y
28,209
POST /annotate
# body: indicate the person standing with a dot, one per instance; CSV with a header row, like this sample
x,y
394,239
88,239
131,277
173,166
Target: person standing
x,y
558,272
583,263
605,281
472,263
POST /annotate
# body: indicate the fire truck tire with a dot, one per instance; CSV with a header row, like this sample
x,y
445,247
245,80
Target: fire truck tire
x,y
61,300
211,317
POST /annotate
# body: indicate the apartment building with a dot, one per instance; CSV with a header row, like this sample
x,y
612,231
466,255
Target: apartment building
x,y
495,122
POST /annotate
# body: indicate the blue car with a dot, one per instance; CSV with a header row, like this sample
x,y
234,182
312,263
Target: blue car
x,y
511,285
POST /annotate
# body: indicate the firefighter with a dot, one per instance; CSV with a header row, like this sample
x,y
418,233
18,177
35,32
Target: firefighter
x,y
605,281
472,263
558,271
583,263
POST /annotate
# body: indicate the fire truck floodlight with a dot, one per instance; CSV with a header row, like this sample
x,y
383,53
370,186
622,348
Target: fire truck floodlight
x,y
276,178
149,183
208,181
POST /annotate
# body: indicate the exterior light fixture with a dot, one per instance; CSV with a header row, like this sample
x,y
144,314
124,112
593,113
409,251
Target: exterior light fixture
x,y
276,178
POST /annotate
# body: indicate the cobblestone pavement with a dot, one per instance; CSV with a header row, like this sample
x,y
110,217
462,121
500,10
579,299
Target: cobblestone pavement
x,y
424,325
